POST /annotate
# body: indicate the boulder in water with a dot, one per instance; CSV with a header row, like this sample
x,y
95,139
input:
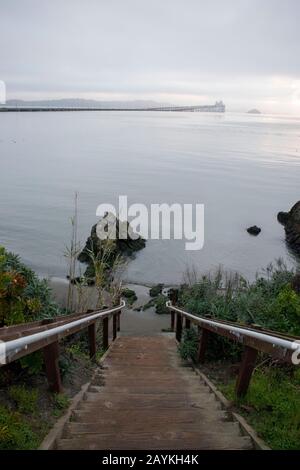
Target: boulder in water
x,y
109,249
254,230
291,222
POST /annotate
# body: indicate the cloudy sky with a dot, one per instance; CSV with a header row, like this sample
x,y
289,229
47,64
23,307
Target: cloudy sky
x,y
245,52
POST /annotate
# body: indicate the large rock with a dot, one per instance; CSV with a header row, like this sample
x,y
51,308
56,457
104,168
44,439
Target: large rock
x,y
291,222
109,249
254,230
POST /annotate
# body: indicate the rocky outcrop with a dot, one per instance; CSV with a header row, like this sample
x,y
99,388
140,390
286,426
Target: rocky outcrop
x,y
156,290
254,230
291,222
107,250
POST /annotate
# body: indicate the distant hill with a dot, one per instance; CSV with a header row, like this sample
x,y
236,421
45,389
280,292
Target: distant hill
x,y
254,111
83,103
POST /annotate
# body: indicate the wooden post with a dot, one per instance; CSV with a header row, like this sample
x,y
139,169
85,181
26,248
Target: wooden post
x,y
203,340
51,356
92,339
173,296
172,320
119,321
115,321
178,327
245,372
105,333
187,323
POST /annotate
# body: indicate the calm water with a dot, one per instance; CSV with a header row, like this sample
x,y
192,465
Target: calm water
x,y
244,169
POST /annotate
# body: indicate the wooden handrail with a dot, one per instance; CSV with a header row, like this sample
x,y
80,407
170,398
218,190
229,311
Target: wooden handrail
x,y
15,345
275,344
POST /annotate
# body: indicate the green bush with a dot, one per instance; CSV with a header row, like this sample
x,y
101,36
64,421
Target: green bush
x,y
160,305
272,406
189,344
23,296
61,401
15,432
33,363
270,302
25,399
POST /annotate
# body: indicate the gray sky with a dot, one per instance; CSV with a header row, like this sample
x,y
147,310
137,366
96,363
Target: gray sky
x,y
245,52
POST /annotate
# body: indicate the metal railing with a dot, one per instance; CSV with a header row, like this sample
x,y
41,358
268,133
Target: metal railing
x,y
275,344
20,340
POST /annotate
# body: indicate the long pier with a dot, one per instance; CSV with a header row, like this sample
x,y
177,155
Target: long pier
x,y
219,107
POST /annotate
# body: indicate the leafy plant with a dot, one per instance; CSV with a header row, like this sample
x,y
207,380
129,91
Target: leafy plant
x,y
272,406
160,305
34,363
25,399
271,301
15,431
189,345
61,401
23,296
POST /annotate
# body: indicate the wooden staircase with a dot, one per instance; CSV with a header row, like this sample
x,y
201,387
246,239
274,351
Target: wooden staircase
x,y
145,397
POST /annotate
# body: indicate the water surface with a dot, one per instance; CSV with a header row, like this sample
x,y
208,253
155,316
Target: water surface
x,y
244,168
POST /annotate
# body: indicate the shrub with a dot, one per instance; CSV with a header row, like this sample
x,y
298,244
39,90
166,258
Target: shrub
x,y
23,296
15,432
272,406
61,402
160,305
270,301
189,345
25,399
33,363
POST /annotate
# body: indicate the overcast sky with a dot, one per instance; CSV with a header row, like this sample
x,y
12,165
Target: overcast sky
x,y
246,52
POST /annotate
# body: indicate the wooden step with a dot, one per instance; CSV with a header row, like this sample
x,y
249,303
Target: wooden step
x,y
152,425
207,441
145,397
